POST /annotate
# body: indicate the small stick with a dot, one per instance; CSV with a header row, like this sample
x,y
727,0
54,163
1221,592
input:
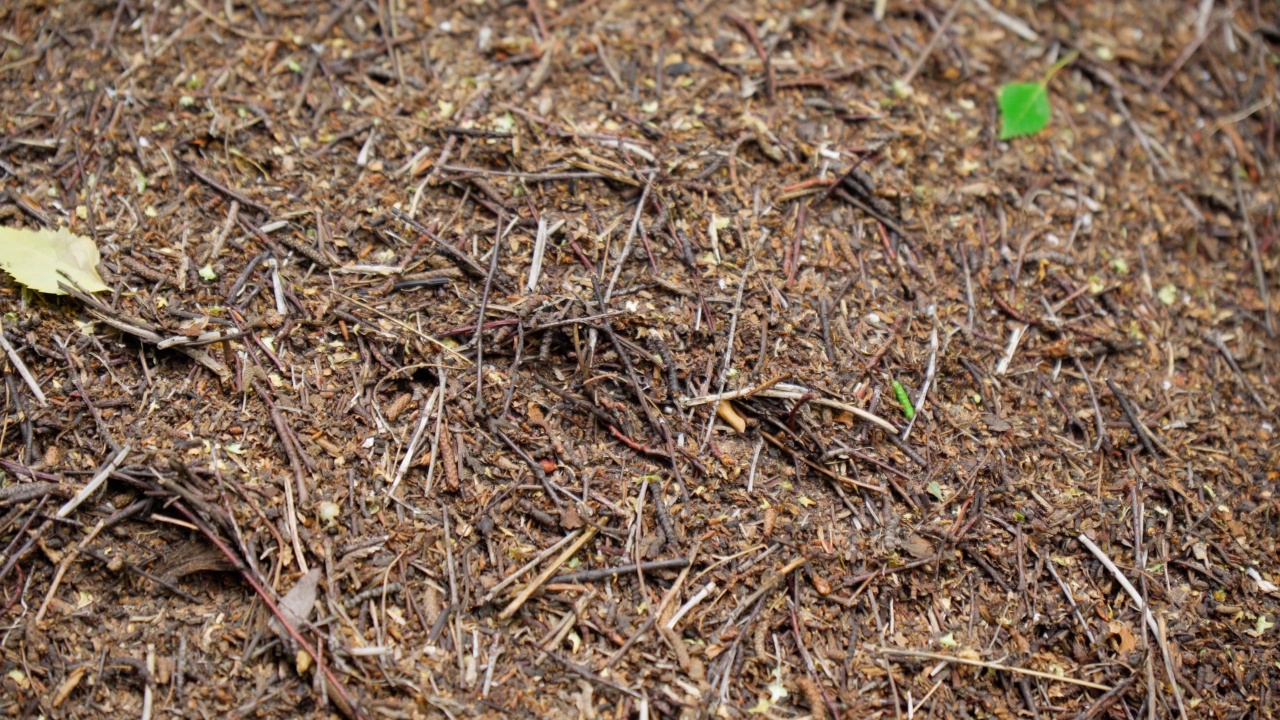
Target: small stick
x,y
545,575
241,198
771,85
493,591
698,597
1093,398
818,467
464,260
1146,611
484,305
933,43
992,666
1131,415
1106,700
928,375
1216,341
92,486
602,573
1255,258
21,367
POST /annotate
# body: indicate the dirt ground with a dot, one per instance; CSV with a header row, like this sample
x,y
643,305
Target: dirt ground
x,y
642,360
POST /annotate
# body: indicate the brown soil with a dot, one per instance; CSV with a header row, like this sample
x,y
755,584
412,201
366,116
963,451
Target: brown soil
x,y
438,302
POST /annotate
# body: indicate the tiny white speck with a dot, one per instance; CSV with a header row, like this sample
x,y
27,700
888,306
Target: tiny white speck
x,y
873,318
1166,384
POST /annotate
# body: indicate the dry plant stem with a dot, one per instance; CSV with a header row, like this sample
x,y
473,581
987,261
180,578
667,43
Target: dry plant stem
x,y
820,468
1255,258
943,26
1146,612
666,601
785,392
415,441
1216,341
493,592
484,306
21,367
930,369
1099,422
92,486
992,666
771,85
1106,700
333,686
546,574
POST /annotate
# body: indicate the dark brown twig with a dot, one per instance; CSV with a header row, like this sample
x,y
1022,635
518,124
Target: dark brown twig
x,y
602,573
233,194
771,84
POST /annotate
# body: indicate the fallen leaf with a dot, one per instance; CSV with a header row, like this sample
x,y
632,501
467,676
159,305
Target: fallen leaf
x,y
918,547
1260,627
297,604
40,258
1125,642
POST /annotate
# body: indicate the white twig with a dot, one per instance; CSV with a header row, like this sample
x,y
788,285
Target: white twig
x,y
1146,611
691,604
1010,23
1015,337
540,250
786,391
92,486
415,441
21,367
278,287
991,666
626,245
928,380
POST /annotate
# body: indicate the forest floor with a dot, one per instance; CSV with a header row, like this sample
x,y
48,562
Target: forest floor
x,y
529,359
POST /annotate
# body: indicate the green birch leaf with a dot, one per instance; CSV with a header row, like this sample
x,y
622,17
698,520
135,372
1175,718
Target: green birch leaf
x,y
1024,109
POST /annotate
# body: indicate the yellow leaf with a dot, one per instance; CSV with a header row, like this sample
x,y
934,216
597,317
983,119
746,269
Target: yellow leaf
x,y
728,414
40,258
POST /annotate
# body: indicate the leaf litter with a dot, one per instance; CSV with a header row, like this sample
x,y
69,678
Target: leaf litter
x,y
540,361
